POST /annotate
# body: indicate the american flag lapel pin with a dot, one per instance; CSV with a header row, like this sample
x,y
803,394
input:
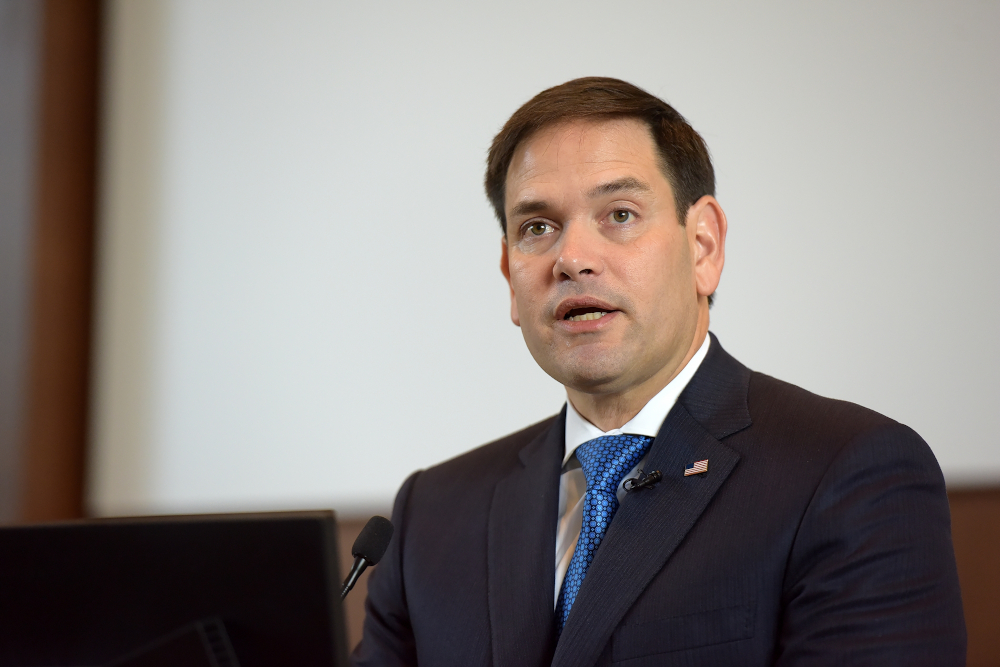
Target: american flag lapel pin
x,y
696,468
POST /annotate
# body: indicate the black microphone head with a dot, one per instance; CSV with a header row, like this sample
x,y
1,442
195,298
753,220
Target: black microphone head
x,y
373,539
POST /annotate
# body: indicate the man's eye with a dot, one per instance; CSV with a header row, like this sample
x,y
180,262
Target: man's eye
x,y
621,216
537,228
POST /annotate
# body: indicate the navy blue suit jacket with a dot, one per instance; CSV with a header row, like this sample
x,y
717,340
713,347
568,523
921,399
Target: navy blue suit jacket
x,y
820,535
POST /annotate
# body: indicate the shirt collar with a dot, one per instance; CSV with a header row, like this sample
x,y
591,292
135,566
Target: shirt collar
x,y
647,422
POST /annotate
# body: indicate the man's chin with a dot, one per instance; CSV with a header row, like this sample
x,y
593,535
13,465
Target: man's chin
x,y
593,368
591,379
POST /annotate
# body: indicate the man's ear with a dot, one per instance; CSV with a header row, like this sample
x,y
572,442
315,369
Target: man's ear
x,y
707,228
505,270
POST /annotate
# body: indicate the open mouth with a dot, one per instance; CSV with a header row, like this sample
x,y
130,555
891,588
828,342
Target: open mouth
x,y
585,314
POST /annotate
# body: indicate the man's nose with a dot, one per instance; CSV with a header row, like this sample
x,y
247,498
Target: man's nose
x,y
579,252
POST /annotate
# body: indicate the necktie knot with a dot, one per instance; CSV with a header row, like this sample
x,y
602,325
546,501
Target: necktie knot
x,y
607,459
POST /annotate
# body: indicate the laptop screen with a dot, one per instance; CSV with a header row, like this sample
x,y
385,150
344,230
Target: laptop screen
x,y
260,589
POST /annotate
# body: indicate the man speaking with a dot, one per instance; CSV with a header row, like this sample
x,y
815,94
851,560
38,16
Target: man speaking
x,y
681,509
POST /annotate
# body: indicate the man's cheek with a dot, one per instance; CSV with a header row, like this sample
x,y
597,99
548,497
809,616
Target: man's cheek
x,y
531,315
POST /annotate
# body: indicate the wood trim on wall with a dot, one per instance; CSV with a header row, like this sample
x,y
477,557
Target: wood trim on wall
x,y
20,28
975,532
62,263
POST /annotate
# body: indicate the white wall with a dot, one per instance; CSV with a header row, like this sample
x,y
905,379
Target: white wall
x,y
299,297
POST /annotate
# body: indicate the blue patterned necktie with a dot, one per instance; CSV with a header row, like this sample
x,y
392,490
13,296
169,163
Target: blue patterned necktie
x,y
605,461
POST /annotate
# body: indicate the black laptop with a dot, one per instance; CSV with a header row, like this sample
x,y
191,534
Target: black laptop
x,y
253,590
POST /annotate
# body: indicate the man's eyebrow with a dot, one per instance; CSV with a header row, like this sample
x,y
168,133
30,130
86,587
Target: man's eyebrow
x,y
626,184
528,207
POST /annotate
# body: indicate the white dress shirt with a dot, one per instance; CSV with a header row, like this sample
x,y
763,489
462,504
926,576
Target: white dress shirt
x,y
573,484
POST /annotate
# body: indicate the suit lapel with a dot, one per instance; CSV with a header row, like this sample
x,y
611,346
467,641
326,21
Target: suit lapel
x,y
650,525
521,553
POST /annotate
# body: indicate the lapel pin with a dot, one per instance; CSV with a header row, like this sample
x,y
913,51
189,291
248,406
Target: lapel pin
x,y
696,468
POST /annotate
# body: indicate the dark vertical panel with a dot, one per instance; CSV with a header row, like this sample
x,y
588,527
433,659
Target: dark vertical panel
x,y
62,270
20,24
975,531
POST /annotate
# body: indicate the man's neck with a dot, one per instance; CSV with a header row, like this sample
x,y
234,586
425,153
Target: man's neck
x,y
614,410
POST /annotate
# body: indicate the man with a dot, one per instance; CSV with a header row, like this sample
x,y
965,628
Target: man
x,y
786,528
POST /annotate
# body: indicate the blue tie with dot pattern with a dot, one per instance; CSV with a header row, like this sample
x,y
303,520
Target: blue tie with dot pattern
x,y
605,461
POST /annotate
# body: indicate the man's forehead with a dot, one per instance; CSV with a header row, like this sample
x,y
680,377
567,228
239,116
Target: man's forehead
x,y
619,139
599,156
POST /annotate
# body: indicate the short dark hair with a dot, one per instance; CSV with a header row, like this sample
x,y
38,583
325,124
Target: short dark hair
x,y
684,156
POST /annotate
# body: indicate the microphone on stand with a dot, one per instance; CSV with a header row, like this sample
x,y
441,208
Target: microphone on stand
x,y
368,549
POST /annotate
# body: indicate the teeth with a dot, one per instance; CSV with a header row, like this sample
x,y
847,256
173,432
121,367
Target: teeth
x,y
587,316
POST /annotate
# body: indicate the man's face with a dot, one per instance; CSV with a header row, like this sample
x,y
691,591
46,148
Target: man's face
x,y
601,272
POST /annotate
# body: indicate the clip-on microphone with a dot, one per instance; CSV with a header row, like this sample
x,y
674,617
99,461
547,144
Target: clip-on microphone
x,y
643,481
368,549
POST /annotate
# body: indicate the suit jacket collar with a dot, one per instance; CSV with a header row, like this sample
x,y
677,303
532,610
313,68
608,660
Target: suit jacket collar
x,y
520,553
716,397
649,526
